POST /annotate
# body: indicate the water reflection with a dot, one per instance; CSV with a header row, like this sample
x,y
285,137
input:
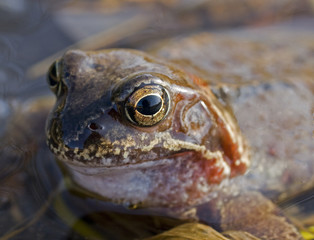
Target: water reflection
x,y
23,16
33,200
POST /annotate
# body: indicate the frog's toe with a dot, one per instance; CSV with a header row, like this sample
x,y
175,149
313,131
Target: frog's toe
x,y
308,233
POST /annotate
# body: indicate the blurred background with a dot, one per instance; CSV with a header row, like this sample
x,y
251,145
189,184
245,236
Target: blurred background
x,y
33,33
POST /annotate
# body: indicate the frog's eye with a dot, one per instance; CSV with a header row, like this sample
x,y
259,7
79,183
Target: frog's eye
x,y
53,77
147,105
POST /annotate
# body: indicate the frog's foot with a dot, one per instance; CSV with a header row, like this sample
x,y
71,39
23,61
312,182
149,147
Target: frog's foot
x,y
247,216
306,227
303,219
195,231
253,213
308,233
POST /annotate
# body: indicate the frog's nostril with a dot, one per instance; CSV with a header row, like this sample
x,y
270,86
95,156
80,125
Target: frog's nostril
x,y
94,126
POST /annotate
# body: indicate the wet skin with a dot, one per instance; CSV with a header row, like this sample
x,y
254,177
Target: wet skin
x,y
187,127
105,134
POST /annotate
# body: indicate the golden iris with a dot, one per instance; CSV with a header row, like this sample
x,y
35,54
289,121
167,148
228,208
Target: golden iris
x,y
147,105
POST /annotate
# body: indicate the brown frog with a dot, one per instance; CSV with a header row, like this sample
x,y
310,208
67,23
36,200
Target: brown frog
x,y
210,121
208,128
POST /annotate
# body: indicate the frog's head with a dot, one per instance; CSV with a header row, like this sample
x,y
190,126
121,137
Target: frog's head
x,y
134,129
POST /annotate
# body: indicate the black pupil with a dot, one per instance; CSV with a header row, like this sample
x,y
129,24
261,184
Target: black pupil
x,y
149,105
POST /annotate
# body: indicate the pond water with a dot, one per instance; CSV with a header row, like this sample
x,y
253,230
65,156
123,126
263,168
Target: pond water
x,y
34,200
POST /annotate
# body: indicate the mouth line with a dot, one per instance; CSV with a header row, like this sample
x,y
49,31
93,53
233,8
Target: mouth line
x,y
92,169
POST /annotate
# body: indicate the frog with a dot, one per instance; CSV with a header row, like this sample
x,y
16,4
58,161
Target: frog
x,y
211,127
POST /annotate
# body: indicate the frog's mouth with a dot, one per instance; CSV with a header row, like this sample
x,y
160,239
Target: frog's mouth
x,y
161,171
103,170
215,164
101,157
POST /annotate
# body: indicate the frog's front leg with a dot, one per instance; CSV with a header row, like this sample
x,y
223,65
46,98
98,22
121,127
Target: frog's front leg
x,y
249,216
253,213
196,231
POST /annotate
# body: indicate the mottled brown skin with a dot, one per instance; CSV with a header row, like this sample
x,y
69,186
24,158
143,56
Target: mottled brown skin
x,y
196,152
170,162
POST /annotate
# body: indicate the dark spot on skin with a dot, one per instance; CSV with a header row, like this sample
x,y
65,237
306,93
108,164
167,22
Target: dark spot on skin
x,y
66,74
70,154
98,67
93,138
114,114
267,86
